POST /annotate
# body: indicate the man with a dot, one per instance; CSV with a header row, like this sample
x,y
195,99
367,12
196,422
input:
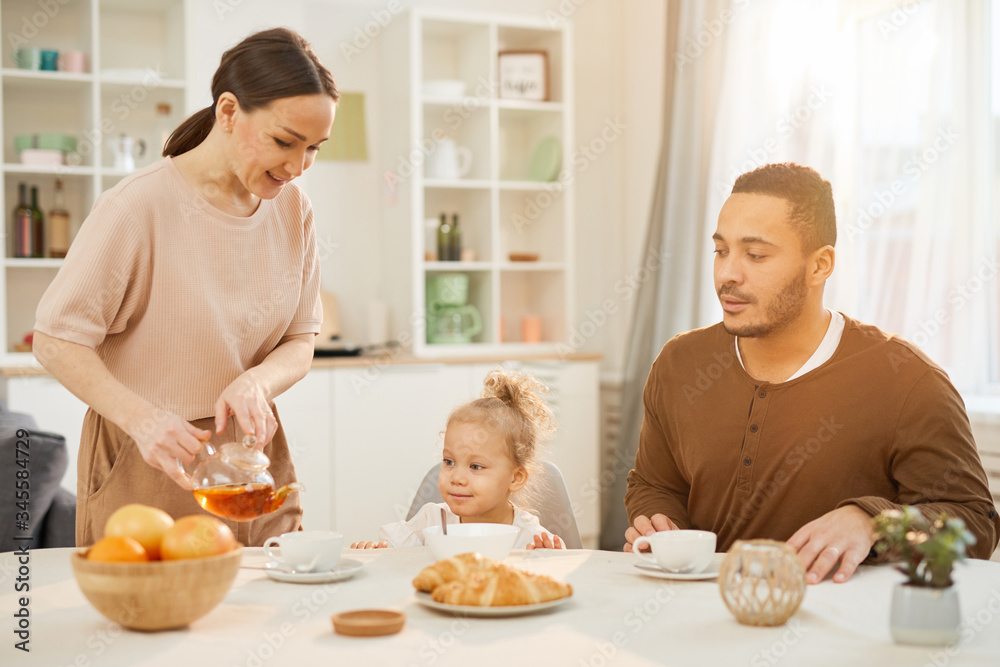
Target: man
x,y
792,422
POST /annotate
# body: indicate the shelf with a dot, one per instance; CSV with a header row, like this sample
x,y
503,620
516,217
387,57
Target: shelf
x,y
458,266
62,170
528,186
527,105
111,84
532,266
32,263
468,184
27,79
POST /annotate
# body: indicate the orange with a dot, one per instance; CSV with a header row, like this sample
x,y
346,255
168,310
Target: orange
x,y
197,536
144,524
117,549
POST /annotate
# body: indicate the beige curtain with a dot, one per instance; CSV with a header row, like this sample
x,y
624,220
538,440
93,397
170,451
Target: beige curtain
x,y
676,256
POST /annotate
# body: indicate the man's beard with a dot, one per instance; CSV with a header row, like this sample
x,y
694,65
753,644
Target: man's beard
x,y
783,309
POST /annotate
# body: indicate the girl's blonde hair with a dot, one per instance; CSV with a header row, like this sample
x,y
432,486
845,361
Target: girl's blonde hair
x,y
512,405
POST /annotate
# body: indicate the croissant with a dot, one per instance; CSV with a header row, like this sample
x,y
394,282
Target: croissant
x,y
502,586
451,569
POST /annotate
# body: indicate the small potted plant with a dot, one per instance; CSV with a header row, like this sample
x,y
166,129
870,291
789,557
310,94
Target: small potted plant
x,y
925,608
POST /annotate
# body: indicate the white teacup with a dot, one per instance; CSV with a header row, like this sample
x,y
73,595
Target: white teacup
x,y
306,550
680,551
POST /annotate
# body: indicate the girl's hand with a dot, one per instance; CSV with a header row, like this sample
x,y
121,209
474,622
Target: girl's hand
x,y
381,544
246,399
544,541
164,439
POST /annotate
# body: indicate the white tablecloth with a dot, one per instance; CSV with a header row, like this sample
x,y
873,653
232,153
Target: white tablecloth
x,y
616,617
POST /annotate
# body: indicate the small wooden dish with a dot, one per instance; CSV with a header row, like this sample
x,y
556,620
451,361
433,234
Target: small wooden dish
x,y
524,256
368,622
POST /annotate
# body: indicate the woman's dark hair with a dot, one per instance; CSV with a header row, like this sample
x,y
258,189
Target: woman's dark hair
x,y
264,67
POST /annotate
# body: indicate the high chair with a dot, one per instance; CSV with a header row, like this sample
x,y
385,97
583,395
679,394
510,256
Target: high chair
x,y
553,508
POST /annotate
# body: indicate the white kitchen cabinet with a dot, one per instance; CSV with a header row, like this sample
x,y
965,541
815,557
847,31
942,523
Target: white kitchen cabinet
x,y
388,427
515,204
363,436
134,84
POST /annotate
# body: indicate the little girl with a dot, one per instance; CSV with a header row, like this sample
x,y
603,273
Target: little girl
x,y
489,455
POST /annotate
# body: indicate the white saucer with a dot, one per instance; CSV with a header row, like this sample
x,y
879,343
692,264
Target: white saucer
x,y
488,612
710,572
345,569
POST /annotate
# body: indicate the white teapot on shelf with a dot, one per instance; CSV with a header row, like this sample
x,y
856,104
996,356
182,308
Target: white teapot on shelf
x,y
123,149
447,161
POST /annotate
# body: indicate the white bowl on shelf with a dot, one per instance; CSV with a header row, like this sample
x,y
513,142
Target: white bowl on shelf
x,y
42,157
493,540
450,89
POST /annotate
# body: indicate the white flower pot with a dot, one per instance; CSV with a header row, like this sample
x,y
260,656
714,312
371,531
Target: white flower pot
x,y
927,616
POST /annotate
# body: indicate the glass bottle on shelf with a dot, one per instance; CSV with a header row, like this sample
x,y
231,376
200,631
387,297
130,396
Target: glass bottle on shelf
x,y
455,242
37,226
59,224
444,239
22,224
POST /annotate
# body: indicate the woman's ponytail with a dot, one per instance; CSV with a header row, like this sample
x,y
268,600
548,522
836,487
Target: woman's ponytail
x,y
190,133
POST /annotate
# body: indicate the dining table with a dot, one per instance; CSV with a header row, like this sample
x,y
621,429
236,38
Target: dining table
x,y
618,614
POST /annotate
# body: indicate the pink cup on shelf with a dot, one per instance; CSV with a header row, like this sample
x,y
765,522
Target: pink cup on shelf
x,y
73,61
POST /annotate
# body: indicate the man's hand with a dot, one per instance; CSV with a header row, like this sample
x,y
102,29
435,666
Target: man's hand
x,y
843,535
646,526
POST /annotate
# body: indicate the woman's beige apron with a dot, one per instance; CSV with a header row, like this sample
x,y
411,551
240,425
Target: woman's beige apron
x,y
111,473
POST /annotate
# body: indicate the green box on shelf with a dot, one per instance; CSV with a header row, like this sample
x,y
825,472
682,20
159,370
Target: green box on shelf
x,y
46,140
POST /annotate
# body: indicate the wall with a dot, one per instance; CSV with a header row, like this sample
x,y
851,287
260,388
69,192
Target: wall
x,y
619,64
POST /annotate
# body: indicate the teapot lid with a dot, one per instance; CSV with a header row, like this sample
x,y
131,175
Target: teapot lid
x,y
245,454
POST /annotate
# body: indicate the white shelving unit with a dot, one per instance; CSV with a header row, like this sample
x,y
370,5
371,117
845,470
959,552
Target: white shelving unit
x,y
135,51
501,211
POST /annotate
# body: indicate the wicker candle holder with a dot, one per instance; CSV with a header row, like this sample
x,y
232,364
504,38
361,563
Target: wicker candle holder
x,y
762,582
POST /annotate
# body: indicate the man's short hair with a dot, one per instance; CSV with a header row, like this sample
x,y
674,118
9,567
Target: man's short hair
x,y
811,197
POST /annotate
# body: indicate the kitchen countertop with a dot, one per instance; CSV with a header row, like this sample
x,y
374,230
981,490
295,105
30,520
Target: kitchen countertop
x,y
377,360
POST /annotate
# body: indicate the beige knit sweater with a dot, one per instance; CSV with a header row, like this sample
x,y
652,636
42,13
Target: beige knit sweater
x,y
178,298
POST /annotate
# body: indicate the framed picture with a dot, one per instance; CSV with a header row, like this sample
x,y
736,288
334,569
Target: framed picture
x,y
524,75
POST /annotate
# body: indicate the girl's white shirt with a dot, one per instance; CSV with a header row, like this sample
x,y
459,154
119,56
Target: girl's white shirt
x,y
408,533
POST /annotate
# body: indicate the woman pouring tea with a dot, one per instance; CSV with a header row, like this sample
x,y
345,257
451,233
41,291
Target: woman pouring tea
x,y
189,299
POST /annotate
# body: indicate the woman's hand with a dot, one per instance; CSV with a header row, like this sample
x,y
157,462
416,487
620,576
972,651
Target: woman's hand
x,y
544,541
246,399
381,544
164,439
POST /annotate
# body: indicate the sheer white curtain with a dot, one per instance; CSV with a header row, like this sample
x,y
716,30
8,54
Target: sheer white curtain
x,y
891,101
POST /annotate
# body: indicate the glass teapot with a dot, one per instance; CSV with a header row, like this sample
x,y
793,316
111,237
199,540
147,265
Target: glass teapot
x,y
234,483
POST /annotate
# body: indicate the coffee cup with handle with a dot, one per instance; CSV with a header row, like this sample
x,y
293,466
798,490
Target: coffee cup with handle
x,y
678,551
306,550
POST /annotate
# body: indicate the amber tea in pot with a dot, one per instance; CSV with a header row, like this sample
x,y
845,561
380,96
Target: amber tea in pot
x,y
234,483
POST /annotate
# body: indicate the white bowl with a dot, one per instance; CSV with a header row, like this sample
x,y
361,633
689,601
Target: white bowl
x,y
492,540
449,89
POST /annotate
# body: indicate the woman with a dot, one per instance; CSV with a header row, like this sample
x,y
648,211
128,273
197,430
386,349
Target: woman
x,y
190,297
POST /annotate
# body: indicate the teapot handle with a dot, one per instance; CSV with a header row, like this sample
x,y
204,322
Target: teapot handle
x,y
142,147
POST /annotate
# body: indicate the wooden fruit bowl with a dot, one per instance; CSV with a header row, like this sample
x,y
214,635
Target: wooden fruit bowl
x,y
158,595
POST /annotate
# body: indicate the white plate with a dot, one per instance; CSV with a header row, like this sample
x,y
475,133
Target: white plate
x,y
488,612
345,569
710,572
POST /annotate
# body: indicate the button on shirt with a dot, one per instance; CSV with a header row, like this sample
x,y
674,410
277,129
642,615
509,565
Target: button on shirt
x,y
872,423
